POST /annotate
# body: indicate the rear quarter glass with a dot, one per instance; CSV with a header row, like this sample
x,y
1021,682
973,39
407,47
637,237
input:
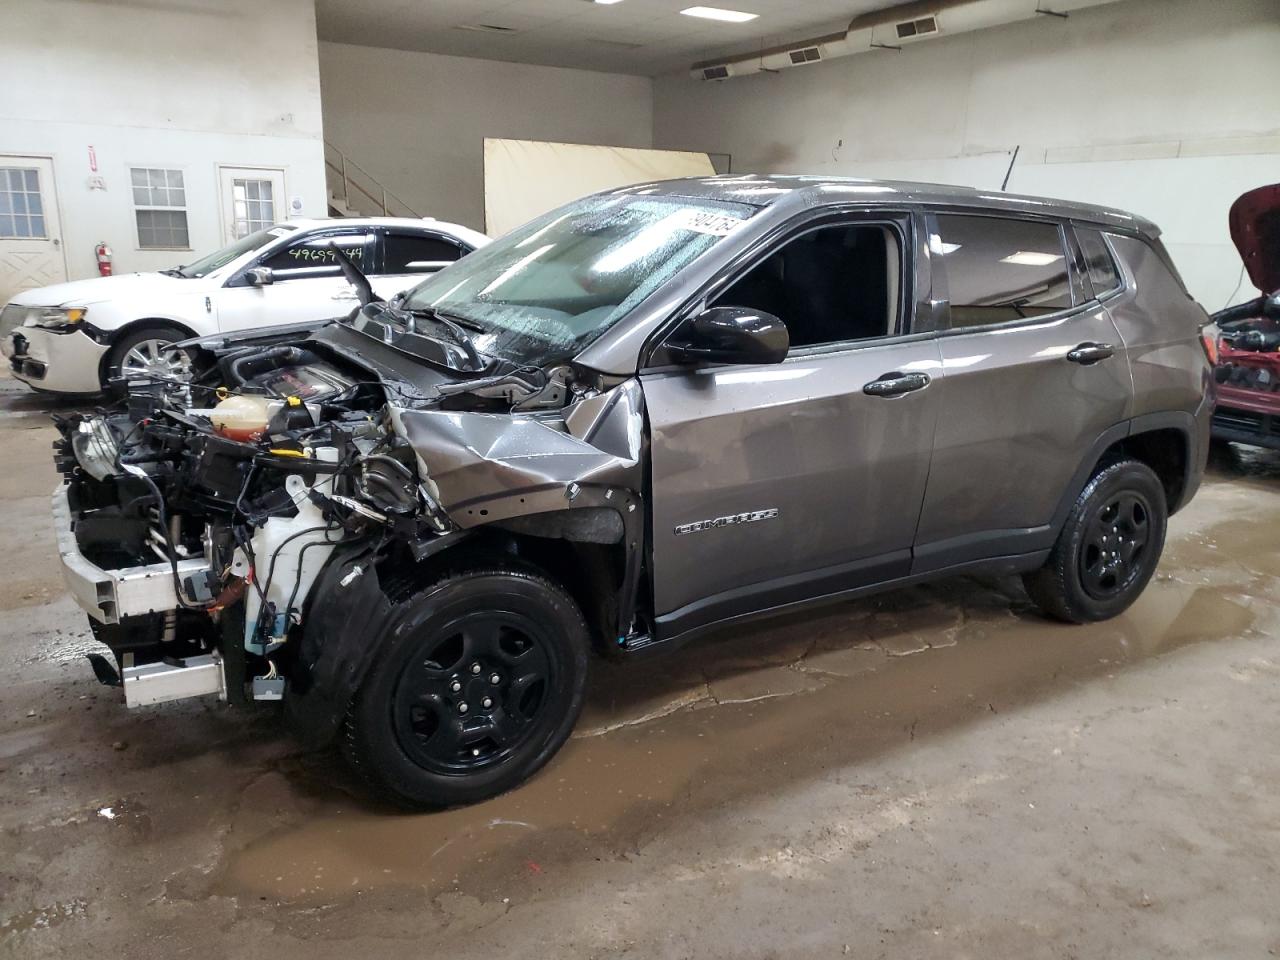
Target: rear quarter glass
x,y
1104,272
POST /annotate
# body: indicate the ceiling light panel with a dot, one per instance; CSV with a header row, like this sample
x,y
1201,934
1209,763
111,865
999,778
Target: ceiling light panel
x,y
717,13
1030,258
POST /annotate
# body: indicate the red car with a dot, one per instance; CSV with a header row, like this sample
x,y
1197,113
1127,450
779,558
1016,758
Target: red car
x,y
1248,349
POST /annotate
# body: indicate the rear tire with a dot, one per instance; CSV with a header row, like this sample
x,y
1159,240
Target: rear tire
x,y
1108,548
480,679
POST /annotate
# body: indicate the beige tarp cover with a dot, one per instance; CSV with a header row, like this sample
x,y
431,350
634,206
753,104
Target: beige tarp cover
x,y
523,178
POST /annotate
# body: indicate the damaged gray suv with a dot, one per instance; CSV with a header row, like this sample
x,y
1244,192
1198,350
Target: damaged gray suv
x,y
648,414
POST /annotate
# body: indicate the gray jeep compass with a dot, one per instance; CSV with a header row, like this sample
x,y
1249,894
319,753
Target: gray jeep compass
x,y
651,413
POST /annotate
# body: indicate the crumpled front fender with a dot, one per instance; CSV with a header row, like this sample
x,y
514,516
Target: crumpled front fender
x,y
485,467
482,469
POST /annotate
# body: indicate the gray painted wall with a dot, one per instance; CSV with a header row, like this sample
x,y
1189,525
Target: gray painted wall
x,y
417,121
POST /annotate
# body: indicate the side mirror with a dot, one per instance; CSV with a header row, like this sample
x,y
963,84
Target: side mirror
x,y
730,335
260,277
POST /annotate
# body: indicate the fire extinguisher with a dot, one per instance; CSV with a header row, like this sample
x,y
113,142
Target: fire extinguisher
x,y
103,253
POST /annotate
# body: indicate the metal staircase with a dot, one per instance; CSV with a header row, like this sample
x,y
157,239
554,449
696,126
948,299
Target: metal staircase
x,y
354,192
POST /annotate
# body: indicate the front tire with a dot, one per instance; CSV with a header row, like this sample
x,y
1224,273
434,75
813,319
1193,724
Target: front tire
x,y
1108,548
140,353
480,680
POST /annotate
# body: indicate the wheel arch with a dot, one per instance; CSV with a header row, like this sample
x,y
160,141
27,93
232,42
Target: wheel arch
x,y
133,326
1167,451
357,593
587,550
1166,442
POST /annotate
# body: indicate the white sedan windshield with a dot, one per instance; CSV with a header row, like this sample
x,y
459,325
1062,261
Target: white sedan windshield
x,y
220,258
548,289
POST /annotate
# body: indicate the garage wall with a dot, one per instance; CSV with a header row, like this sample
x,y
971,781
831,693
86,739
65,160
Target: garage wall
x,y
1168,108
417,121
184,84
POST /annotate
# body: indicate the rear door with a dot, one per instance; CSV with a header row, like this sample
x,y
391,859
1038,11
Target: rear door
x,y
773,484
307,281
1033,374
409,256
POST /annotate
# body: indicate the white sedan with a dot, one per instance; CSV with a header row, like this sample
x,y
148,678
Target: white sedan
x,y
77,337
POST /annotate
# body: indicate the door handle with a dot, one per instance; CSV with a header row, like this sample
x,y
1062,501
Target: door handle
x,y
896,384
1088,353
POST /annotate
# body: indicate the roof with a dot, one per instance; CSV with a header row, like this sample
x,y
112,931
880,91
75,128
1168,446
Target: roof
x,y
765,190
474,237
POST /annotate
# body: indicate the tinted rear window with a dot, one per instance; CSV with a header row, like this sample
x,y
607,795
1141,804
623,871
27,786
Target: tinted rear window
x,y
415,253
1000,269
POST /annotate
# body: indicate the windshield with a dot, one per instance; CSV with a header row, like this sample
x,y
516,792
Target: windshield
x,y
220,258
548,289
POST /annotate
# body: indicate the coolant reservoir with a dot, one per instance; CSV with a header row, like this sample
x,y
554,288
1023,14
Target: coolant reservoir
x,y
241,417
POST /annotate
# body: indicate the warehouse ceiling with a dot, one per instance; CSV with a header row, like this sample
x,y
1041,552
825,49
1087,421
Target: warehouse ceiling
x,y
644,37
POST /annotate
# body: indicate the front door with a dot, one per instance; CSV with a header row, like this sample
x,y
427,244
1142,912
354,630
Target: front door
x,y
1034,373
307,283
774,484
30,234
252,200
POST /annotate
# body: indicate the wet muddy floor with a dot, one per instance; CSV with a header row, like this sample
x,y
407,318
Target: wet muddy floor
x,y
933,772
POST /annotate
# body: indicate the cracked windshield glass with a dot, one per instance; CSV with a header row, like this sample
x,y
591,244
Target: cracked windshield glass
x,y
548,289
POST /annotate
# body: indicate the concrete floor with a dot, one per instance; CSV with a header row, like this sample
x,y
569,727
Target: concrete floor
x,y
936,772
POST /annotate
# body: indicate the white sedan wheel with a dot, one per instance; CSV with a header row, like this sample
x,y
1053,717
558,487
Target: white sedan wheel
x,y
149,358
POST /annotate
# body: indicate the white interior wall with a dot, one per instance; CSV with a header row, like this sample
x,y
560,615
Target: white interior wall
x,y
1168,108
165,83
417,121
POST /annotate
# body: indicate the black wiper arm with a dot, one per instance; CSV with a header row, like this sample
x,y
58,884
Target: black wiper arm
x,y
364,289
461,321
461,336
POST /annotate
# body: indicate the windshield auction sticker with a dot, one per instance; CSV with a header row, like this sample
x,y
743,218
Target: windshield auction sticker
x,y
707,221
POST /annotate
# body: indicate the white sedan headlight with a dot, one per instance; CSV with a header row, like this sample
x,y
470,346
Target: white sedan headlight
x,y
56,318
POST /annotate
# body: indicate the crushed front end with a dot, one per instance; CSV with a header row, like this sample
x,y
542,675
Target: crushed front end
x,y
246,531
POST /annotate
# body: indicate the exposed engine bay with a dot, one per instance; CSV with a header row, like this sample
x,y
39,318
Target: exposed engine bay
x,y
241,530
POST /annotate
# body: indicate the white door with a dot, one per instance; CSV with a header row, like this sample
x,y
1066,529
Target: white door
x,y
307,283
252,200
30,236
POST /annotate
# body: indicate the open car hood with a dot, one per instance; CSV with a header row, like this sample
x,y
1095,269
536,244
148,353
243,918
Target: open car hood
x,y
1255,230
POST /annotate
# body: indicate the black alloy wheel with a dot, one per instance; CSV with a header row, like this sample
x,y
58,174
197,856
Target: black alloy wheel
x,y
476,682
1113,553
474,693
1108,547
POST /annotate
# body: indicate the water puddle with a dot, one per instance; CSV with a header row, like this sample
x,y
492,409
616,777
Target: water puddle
x,y
837,695
41,918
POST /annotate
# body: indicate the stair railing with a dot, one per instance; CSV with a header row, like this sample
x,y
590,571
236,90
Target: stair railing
x,y
350,174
